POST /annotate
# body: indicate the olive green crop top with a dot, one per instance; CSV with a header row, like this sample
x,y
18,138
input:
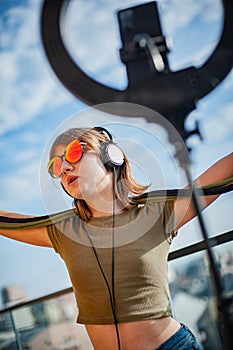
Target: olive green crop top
x,y
142,237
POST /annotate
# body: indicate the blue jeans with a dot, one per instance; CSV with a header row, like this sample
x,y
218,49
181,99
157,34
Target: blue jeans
x,y
183,339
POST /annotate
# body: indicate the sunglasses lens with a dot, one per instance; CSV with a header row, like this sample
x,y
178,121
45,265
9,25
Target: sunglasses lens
x,y
74,152
54,167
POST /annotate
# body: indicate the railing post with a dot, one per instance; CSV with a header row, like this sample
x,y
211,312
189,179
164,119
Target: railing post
x,y
17,336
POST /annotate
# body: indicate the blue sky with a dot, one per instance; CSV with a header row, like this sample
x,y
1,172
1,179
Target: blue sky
x,y
35,106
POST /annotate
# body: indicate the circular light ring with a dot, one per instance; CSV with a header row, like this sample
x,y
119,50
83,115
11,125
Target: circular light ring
x,y
189,84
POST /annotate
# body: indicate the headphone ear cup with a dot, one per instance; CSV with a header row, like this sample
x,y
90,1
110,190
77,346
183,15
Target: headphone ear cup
x,y
111,155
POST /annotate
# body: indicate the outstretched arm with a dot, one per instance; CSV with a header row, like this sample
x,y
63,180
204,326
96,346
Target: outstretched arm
x,y
35,236
184,208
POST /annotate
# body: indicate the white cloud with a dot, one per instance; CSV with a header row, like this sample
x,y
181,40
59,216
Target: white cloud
x,y
20,187
93,42
183,21
179,13
222,124
213,12
25,156
27,88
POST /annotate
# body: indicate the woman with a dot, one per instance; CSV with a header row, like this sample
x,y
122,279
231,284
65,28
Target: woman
x,y
116,248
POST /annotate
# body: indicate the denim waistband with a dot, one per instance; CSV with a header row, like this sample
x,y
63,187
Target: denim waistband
x,y
182,339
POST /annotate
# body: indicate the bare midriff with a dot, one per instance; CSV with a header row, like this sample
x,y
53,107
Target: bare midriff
x,y
140,335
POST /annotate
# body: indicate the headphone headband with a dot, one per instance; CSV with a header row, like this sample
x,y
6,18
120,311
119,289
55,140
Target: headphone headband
x,y
102,130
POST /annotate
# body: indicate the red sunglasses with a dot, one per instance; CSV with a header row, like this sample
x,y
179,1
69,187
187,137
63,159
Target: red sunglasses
x,y
73,154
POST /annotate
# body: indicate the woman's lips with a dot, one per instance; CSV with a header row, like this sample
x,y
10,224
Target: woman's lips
x,y
71,180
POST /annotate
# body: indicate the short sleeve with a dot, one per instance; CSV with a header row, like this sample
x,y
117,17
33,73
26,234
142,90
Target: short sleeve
x,y
55,236
167,219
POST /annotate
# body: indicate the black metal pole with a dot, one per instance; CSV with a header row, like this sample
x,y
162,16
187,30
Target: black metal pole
x,y
17,337
224,302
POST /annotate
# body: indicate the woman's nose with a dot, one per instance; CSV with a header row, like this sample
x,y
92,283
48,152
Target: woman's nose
x,y
66,167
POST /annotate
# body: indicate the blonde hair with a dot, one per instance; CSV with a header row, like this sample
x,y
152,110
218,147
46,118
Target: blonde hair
x,y
126,185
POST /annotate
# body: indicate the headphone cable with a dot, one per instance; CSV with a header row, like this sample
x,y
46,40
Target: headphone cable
x,y
110,292
113,258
